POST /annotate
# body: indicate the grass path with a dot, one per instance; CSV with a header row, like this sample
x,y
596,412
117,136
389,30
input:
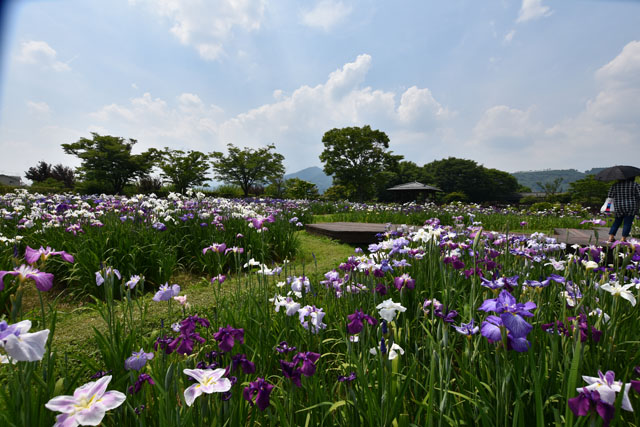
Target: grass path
x,y
75,323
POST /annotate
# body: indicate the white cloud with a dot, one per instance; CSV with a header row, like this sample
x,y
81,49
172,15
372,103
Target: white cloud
x,y
291,121
38,107
604,133
326,14
40,53
208,25
533,9
506,127
509,37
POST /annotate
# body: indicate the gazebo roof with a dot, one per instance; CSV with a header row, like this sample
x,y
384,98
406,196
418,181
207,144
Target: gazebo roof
x,y
414,186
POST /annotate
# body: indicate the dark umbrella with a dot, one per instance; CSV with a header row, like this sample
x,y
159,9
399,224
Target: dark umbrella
x,y
617,172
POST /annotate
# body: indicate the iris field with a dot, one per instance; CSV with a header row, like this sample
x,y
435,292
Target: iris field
x,y
456,322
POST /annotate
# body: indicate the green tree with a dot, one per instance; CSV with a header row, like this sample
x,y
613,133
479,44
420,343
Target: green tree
x,y
356,157
477,183
39,172
337,192
44,171
589,191
184,170
551,187
276,188
107,162
247,167
296,188
458,175
501,184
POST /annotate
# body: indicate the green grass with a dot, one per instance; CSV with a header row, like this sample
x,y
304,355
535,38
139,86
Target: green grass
x,y
69,338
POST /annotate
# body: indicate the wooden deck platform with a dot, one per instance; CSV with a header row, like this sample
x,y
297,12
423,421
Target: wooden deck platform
x,y
359,233
355,233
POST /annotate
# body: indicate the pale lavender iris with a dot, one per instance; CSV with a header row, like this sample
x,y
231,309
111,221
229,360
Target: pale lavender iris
x,y
166,292
137,360
133,281
219,248
88,404
209,381
32,255
106,273
20,344
44,281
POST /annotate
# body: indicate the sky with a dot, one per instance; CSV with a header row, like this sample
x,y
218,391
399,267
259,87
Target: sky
x,y
515,85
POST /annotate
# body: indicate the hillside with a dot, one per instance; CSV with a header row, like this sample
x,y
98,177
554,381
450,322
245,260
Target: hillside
x,y
531,178
313,174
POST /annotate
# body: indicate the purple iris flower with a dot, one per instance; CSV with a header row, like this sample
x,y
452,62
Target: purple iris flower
x,y
44,281
166,292
32,255
142,378
219,248
284,348
289,370
356,321
348,378
240,360
184,342
467,329
137,360
227,337
511,313
587,401
491,329
220,278
260,389
404,280
308,360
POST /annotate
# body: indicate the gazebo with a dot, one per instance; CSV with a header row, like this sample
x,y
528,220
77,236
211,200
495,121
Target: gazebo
x,y
411,190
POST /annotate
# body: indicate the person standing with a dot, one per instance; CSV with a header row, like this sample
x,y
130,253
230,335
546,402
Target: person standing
x,y
626,200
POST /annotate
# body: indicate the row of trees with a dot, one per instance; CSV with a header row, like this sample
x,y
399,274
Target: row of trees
x,y
358,159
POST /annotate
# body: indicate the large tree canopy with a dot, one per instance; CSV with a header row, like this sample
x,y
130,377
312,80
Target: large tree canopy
x,y
107,161
184,170
357,159
466,176
247,167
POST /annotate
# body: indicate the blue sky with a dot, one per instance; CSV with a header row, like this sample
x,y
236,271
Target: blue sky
x,y
512,84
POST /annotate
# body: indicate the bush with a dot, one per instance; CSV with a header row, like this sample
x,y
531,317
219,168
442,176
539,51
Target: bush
x,y
455,196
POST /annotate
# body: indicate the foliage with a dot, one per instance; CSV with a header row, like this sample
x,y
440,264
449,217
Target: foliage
x,y
276,189
150,184
296,188
550,188
356,158
107,162
227,190
434,360
589,191
466,176
247,167
184,170
455,196
338,192
44,171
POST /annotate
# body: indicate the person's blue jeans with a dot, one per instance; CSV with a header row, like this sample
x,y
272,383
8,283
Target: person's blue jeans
x,y
626,222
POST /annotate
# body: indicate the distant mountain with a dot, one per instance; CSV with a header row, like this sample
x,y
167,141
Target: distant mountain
x,y
314,175
532,178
